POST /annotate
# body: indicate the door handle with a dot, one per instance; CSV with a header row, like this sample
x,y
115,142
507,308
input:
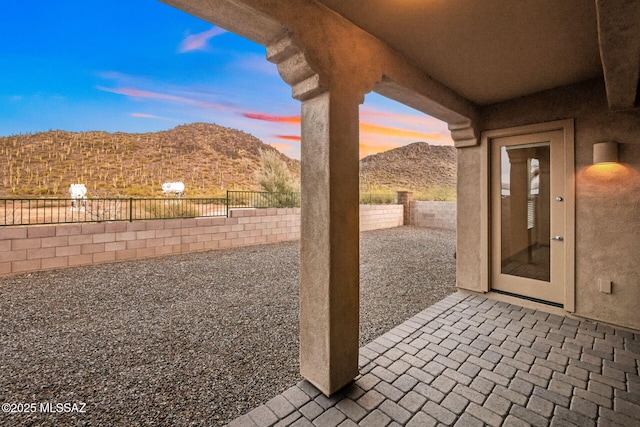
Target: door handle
x,y
560,238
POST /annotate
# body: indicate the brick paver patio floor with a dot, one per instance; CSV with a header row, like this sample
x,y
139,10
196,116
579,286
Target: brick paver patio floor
x,y
472,361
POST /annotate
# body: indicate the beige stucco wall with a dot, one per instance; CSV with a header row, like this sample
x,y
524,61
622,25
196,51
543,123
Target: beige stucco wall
x,y
607,204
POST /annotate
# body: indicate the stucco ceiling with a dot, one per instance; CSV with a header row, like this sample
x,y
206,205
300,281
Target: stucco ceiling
x,y
487,50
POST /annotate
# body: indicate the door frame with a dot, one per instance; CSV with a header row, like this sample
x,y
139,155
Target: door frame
x,y
567,127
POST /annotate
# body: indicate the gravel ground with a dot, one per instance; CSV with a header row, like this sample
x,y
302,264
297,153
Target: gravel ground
x,y
194,339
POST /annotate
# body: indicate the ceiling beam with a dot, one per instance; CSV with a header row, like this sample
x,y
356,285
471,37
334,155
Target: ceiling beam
x,y
619,41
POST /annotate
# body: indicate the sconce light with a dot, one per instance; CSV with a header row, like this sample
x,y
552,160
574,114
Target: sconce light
x,y
605,152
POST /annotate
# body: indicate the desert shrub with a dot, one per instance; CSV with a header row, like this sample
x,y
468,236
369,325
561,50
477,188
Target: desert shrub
x,y
101,209
171,208
137,190
386,198
278,200
437,193
274,175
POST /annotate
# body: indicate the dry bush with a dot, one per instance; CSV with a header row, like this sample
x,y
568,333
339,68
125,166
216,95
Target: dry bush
x,y
172,208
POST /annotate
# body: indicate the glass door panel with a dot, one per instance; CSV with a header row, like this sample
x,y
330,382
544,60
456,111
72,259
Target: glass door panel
x,y
525,211
527,216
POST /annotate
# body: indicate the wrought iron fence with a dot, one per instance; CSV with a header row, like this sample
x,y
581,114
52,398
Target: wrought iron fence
x,y
60,211
262,199
257,199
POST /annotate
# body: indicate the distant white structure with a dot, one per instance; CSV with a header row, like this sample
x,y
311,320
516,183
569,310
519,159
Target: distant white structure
x,y
78,194
173,188
78,191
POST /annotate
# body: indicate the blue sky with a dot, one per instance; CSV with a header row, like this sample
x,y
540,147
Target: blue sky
x,y
143,66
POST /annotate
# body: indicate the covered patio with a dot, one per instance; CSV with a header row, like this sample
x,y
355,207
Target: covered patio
x,y
530,91
472,361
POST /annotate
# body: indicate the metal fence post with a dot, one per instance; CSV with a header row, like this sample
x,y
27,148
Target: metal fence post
x,y
130,209
227,205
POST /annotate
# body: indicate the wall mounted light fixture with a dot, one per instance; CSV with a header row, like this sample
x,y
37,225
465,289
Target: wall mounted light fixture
x,y
605,152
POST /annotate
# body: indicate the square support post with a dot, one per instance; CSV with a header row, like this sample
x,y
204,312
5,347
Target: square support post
x,y
405,198
329,257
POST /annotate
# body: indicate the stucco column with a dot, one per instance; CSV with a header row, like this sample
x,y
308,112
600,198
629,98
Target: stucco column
x,y
329,241
329,257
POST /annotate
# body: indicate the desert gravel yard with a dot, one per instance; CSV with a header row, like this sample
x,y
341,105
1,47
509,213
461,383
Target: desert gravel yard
x,y
195,339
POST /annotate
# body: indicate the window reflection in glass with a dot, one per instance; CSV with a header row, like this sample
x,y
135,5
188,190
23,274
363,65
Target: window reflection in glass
x,y
525,211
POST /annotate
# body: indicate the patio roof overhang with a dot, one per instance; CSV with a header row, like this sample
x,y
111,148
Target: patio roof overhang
x,y
485,52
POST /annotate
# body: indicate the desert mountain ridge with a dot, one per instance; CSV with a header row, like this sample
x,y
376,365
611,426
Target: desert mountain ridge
x,y
208,158
418,166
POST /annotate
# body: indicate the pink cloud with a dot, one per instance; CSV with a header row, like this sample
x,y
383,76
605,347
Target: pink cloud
x,y
144,116
271,117
146,94
423,120
199,41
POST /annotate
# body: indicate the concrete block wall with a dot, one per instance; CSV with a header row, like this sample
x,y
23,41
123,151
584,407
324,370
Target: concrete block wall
x,y
375,217
31,248
433,214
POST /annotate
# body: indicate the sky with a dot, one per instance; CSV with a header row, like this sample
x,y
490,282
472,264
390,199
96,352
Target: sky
x,y
143,66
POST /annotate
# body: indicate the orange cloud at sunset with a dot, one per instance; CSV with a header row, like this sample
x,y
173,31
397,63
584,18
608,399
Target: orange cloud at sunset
x,y
368,128
379,131
368,148
272,118
376,130
288,137
411,126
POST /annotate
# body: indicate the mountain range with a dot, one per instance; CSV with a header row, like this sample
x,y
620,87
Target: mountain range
x,y
208,158
418,167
